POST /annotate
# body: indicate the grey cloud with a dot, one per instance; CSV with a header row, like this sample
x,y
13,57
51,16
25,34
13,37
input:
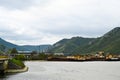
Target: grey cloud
x,y
58,17
15,4
10,34
22,4
76,26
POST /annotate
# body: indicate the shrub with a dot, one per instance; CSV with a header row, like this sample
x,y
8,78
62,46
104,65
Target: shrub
x,y
17,62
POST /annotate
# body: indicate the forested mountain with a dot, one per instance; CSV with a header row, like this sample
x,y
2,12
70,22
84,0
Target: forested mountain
x,y
70,45
4,45
109,42
38,48
8,45
2,48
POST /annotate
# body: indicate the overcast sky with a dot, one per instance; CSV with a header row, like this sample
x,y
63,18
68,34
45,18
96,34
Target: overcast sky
x,y
48,21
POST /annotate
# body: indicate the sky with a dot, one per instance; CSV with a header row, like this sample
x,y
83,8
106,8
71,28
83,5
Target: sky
x,y
35,22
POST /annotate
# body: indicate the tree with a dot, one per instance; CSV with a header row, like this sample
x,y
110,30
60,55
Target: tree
x,y
14,51
20,57
42,56
2,48
34,52
9,51
1,52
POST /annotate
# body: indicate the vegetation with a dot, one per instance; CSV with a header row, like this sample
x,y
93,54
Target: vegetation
x,y
14,51
9,45
1,52
3,56
39,56
42,56
70,45
17,62
20,57
2,48
110,43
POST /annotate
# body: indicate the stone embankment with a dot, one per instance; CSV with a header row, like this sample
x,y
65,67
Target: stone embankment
x,y
17,70
13,68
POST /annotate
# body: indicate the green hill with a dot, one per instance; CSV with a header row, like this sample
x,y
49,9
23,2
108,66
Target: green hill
x,y
38,48
4,45
110,43
9,45
70,45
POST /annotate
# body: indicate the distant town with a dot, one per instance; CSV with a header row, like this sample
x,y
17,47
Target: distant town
x,y
33,55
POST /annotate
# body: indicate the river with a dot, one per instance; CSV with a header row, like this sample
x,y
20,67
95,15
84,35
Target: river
x,y
43,70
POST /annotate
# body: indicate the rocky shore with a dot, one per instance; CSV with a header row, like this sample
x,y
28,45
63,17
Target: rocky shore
x,y
17,70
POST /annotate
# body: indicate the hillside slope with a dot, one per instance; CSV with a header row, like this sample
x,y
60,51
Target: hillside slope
x,y
38,48
8,45
70,45
110,43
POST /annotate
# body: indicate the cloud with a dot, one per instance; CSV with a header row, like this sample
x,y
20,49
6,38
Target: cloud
x,y
15,4
47,21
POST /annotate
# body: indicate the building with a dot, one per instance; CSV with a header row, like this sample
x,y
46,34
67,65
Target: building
x,y
59,54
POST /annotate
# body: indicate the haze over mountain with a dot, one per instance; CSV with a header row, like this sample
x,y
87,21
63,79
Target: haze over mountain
x,y
109,42
8,45
38,48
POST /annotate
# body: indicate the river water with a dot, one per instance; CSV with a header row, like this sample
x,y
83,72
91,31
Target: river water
x,y
68,71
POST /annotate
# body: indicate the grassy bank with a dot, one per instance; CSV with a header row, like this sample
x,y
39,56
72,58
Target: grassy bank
x,y
17,62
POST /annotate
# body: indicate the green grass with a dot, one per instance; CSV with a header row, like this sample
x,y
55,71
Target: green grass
x,y
17,62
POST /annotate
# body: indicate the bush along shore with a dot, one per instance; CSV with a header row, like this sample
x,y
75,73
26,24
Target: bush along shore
x,y
15,66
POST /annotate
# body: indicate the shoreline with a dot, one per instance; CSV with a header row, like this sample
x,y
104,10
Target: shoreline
x,y
17,70
70,61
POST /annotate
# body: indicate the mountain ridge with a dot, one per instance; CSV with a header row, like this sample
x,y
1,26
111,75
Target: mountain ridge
x,y
9,45
109,43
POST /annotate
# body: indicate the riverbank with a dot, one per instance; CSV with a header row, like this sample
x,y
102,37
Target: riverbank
x,y
17,70
81,60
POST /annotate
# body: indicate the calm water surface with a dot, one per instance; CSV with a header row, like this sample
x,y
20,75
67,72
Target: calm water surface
x,y
69,71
